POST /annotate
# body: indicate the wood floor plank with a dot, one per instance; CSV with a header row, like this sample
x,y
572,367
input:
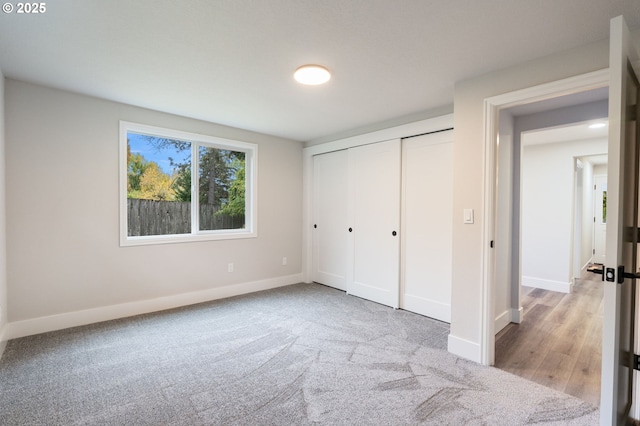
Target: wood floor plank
x,y
584,382
559,342
554,371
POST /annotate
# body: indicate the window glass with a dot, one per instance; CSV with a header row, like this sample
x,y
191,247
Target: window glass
x,y
221,185
158,186
180,186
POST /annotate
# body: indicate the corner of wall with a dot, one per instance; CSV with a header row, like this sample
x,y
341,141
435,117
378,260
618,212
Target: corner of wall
x,y
464,348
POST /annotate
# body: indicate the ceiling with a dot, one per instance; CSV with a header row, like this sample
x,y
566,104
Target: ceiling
x,y
571,132
231,61
566,133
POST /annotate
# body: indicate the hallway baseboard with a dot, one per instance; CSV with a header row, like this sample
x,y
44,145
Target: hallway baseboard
x,y
559,286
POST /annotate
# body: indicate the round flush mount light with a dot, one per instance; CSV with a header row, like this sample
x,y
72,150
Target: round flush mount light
x,y
599,125
312,75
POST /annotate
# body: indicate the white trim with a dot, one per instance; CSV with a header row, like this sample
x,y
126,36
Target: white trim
x,y
251,180
437,310
507,317
411,129
586,265
464,348
516,315
3,340
105,313
502,320
559,286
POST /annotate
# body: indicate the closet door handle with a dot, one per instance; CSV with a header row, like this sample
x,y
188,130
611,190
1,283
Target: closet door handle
x,y
315,226
350,229
394,233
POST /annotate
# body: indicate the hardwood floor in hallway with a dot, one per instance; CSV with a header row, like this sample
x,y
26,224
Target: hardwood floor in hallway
x,y
559,342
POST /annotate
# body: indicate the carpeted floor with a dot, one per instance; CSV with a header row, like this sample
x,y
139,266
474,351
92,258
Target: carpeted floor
x,y
300,355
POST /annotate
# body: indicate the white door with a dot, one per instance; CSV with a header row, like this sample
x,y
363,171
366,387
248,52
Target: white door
x,y
599,219
622,227
330,219
374,214
427,224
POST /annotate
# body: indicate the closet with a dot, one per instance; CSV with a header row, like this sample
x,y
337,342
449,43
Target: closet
x,y
359,242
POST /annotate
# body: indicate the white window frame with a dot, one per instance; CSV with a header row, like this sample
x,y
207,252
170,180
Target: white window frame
x,y
251,184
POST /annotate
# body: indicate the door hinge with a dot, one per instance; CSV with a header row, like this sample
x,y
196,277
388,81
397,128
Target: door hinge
x,y
631,234
594,251
636,362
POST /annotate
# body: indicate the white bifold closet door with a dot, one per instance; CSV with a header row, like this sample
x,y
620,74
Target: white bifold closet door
x,y
330,222
374,222
427,224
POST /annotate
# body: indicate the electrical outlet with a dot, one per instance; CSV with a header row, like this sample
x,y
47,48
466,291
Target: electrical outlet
x,y
284,261
230,267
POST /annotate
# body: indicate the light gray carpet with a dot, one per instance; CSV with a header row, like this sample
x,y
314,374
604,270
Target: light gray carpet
x,y
299,355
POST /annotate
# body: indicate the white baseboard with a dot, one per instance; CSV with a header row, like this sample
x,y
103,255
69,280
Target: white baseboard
x,y
464,348
502,320
559,286
516,315
506,318
39,325
3,339
586,265
427,307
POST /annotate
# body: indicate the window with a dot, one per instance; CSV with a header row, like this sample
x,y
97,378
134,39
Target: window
x,y
177,186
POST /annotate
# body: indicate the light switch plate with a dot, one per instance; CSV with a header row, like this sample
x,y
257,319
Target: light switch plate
x,y
468,216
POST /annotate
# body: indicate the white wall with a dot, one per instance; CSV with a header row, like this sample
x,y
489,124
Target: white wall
x,y
3,239
65,265
586,241
548,211
469,170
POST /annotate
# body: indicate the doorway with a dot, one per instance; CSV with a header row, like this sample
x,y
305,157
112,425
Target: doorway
x,y
558,342
554,336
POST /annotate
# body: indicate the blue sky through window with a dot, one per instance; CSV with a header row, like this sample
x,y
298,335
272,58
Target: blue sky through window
x,y
140,145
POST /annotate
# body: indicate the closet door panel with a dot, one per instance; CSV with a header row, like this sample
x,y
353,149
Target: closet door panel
x,y
427,223
374,214
330,219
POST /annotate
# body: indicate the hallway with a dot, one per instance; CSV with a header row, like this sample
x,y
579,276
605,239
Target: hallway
x,y
559,342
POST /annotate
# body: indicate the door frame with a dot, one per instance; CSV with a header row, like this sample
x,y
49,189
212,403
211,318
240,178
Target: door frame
x,y
492,108
595,222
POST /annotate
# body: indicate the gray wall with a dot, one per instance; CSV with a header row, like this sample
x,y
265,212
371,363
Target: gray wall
x,y
466,302
62,210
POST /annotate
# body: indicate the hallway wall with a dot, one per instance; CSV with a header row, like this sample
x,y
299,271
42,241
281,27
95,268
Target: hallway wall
x,y
548,211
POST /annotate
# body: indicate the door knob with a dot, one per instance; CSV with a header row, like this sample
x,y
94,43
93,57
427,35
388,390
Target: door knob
x,y
394,233
350,229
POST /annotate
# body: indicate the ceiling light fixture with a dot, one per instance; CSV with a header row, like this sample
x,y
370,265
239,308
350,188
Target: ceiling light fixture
x,y
312,75
597,125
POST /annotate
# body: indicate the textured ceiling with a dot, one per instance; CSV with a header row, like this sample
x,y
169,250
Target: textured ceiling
x,y
231,61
